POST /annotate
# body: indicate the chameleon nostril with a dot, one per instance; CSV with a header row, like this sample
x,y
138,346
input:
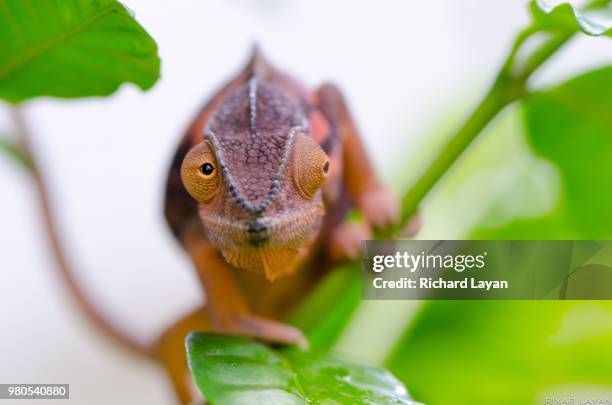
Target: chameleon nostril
x,y
256,226
257,231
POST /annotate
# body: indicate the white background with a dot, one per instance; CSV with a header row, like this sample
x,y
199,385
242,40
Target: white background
x,y
401,63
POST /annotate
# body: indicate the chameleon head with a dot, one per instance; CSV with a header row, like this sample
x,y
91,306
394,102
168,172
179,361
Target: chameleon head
x,y
259,190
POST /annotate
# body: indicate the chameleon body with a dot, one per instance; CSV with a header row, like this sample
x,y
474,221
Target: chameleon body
x,y
257,194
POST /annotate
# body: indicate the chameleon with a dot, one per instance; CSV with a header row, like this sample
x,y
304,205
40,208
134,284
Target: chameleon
x,y
257,194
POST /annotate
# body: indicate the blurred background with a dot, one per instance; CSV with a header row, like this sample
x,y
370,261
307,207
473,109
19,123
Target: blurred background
x,y
411,72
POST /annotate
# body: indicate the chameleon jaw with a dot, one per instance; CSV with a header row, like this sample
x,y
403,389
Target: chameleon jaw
x,y
273,246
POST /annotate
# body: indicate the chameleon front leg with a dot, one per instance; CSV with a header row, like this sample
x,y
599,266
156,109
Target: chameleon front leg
x,y
226,305
225,311
170,352
379,205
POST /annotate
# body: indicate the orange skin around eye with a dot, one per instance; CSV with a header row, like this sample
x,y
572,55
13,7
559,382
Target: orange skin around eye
x,y
310,165
295,239
199,185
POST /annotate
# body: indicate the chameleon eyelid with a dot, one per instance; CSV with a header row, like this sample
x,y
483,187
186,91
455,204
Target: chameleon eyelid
x,y
201,185
310,168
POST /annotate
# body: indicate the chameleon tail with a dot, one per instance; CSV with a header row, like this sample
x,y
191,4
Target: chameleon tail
x,y
67,273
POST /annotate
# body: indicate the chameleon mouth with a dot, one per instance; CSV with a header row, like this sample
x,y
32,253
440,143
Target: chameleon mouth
x,y
258,231
272,245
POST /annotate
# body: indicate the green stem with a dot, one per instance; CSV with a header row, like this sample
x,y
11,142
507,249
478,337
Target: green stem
x,y
15,151
508,87
541,55
495,100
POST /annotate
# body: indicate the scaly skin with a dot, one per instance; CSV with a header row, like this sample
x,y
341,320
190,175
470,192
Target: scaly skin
x,y
265,231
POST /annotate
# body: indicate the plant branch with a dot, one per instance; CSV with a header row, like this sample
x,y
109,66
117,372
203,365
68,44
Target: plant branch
x,y
67,273
495,100
541,55
14,150
507,88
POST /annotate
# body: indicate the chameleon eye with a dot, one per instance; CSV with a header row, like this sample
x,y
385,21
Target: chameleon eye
x,y
207,168
198,173
310,165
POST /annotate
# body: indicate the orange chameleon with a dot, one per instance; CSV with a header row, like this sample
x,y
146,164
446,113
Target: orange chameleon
x,y
257,194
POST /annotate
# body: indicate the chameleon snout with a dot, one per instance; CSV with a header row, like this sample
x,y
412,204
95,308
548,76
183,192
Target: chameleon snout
x,y
257,231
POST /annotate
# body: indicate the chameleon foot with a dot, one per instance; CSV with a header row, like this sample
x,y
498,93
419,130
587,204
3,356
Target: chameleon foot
x,y
346,240
264,329
380,207
412,227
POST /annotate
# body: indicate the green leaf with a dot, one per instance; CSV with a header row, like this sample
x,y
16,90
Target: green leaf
x,y
564,17
235,370
570,126
72,48
15,151
505,352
